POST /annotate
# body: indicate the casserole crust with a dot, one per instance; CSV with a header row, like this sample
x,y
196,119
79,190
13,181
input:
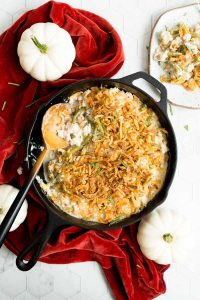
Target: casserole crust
x,y
117,159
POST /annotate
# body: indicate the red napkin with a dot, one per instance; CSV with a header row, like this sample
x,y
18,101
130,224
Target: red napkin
x,y
99,53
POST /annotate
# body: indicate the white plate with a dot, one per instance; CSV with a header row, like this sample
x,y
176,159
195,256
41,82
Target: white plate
x,y
177,94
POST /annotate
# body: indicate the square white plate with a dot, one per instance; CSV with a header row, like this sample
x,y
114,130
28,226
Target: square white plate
x,y
177,94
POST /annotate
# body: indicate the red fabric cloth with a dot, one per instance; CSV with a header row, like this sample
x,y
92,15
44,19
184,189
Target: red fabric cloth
x,y
99,53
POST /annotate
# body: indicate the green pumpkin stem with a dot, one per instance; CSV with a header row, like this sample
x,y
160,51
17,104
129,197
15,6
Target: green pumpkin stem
x,y
168,237
42,47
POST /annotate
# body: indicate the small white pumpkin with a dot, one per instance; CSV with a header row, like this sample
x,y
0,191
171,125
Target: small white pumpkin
x,y
46,51
8,194
164,236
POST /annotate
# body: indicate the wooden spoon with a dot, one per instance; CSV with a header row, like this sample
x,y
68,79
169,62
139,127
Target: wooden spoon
x,y
55,117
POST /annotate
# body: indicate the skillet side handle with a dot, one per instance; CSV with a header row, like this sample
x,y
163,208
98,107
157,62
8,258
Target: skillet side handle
x,y
37,245
157,84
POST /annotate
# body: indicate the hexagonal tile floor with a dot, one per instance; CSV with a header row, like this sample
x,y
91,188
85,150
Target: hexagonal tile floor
x,y
85,281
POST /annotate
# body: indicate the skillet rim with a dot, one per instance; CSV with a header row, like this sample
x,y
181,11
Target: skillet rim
x,y
156,201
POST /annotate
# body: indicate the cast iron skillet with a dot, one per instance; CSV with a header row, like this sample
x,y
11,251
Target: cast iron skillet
x,y
57,218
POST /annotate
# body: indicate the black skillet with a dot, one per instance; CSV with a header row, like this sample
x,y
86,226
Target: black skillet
x,y
57,218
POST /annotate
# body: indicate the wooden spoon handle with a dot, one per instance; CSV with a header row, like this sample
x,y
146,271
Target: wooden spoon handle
x,y
38,163
17,203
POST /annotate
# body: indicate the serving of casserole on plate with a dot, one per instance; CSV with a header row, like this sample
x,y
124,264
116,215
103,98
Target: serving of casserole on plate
x,y
174,56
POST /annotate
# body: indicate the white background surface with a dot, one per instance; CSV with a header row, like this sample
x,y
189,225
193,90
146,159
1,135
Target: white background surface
x,y
133,19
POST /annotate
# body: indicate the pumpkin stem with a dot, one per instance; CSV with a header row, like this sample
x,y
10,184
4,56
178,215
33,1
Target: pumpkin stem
x,y
168,237
42,47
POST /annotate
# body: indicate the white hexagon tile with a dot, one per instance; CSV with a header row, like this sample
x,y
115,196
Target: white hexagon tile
x,y
133,19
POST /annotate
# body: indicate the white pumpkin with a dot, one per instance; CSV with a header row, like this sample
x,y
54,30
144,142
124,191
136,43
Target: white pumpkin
x,y
46,51
8,194
164,236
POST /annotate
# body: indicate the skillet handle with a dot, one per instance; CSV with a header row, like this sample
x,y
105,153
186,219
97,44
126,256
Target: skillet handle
x,y
157,84
37,245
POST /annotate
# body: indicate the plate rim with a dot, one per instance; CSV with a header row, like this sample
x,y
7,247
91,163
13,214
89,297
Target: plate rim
x,y
150,50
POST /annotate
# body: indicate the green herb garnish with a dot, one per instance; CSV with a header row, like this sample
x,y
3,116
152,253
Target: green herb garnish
x,y
84,150
72,150
117,219
86,139
148,121
186,127
183,49
111,201
96,166
142,107
123,165
99,125
170,109
69,209
76,113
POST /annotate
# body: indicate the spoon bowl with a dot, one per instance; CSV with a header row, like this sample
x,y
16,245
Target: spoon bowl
x,y
54,119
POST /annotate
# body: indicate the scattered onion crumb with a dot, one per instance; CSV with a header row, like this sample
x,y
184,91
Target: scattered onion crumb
x,y
14,83
138,266
4,105
20,171
19,142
